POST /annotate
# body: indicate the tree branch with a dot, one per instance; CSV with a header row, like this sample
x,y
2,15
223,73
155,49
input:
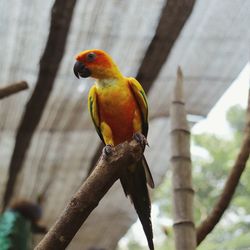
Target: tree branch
x,y
13,89
230,186
104,175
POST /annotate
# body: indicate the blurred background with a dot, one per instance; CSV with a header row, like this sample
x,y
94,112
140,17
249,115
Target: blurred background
x,y
48,144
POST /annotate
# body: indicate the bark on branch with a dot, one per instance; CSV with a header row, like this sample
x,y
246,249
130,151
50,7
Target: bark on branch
x,y
13,89
106,172
230,186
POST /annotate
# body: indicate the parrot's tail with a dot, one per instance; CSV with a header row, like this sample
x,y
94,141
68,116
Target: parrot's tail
x,y
134,183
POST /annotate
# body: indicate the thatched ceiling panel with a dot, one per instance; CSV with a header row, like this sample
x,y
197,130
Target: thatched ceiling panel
x,y
212,49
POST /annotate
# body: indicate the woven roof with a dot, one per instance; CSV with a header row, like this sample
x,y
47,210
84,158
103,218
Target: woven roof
x,y
212,48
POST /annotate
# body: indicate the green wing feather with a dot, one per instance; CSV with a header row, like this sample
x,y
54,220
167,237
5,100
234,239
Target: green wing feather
x,y
141,100
93,110
15,231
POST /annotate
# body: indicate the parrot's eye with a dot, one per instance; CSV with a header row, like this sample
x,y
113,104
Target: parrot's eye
x,y
91,57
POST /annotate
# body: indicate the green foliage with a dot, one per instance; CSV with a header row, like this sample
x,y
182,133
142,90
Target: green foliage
x,y
210,174
235,117
232,233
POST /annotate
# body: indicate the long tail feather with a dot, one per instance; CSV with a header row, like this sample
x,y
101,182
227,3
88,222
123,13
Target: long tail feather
x,y
135,185
149,177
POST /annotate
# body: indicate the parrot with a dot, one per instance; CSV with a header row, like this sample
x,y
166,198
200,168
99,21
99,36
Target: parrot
x,y
17,223
119,110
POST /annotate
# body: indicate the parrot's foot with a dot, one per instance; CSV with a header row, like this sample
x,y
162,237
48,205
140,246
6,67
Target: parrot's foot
x,y
139,137
107,150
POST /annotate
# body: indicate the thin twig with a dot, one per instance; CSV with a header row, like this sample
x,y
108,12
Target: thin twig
x,y
104,175
13,89
230,186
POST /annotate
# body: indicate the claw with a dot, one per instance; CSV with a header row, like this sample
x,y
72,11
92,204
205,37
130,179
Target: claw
x,y
139,137
107,150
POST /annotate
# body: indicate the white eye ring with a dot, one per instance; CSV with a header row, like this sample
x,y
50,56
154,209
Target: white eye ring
x,y
91,57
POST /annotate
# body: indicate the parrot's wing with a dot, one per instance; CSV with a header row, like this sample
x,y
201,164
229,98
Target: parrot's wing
x,y
93,110
141,100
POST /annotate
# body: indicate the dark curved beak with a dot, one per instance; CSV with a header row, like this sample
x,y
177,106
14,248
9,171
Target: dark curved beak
x,y
80,70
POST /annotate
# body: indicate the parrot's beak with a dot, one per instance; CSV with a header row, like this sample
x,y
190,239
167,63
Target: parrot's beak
x,y
81,70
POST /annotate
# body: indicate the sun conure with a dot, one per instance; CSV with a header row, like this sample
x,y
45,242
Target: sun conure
x,y
119,110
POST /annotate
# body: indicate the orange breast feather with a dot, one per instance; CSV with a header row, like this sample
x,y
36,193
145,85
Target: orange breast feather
x,y
117,107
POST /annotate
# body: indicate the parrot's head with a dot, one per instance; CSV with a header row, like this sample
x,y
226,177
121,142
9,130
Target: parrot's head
x,y
95,63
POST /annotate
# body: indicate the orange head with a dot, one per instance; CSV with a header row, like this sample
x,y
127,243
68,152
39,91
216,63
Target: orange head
x,y
95,63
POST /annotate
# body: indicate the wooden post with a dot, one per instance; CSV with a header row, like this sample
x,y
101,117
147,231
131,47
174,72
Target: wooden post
x,y
183,193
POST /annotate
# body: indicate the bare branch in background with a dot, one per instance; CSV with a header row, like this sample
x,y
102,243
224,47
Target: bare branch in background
x,y
13,89
230,186
106,172
61,15
183,193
